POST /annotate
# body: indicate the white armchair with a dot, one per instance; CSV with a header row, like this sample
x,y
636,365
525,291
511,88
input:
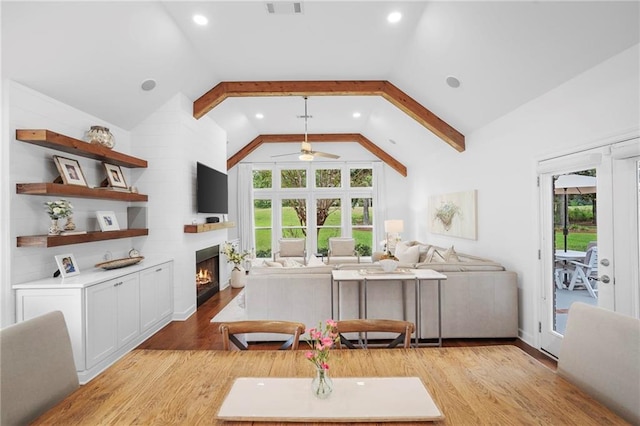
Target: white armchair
x,y
342,250
292,248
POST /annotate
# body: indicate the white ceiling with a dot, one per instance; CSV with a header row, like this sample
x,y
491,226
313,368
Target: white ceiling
x,y
94,56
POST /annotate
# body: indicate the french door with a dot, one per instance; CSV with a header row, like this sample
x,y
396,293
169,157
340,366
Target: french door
x,y
617,224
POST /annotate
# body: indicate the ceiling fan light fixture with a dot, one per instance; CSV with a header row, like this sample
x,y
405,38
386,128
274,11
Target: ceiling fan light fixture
x,y
306,157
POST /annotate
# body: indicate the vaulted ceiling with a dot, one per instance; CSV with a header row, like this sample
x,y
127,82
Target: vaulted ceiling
x,y
95,55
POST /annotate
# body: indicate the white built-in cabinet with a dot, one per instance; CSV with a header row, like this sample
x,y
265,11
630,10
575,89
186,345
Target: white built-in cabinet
x,y
108,313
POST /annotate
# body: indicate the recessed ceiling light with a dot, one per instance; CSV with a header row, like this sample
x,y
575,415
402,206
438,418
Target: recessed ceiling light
x,y
453,82
200,19
148,84
394,17
356,115
259,115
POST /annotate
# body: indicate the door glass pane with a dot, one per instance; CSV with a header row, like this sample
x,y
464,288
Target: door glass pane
x,y
328,220
575,243
361,178
262,213
293,178
362,224
328,178
294,218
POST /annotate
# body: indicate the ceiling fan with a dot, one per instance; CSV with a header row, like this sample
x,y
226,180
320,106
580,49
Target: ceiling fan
x,y
306,153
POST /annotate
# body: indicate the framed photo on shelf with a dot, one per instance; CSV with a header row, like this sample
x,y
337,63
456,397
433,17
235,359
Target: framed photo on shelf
x,y
107,221
70,171
67,265
115,176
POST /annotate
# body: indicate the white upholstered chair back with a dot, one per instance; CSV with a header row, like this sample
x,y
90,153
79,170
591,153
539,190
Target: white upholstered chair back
x,y
600,353
295,248
38,371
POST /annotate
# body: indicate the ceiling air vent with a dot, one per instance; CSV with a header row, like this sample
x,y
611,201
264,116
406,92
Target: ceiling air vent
x,y
284,7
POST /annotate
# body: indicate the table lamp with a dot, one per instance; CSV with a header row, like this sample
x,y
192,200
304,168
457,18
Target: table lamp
x,y
392,226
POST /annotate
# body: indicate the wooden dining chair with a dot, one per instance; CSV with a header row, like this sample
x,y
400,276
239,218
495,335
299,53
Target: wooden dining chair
x,y
230,330
404,329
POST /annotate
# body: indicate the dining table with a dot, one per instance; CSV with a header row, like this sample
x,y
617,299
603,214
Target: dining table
x,y
474,385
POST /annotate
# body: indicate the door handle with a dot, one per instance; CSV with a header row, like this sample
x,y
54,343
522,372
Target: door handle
x,y
605,279
604,262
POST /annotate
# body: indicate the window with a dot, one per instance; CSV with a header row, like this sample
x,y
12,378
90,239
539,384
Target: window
x,y
315,202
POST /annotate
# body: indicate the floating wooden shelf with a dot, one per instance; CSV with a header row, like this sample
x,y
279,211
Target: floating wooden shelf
x,y
206,227
63,240
53,140
59,189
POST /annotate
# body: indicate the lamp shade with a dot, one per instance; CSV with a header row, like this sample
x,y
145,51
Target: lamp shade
x,y
393,226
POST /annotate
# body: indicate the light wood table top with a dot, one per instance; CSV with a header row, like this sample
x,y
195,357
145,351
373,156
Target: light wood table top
x,y
471,385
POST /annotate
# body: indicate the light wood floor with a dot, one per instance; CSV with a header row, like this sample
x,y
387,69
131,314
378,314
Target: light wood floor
x,y
197,332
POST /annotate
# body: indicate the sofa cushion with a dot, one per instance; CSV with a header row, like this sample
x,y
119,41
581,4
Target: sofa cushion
x,y
461,266
290,263
314,261
321,269
406,254
270,264
424,249
451,256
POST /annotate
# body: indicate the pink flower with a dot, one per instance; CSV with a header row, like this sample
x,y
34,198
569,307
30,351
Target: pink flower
x,y
331,323
324,366
309,354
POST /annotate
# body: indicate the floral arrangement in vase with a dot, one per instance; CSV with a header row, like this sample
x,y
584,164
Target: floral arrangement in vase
x,y
57,210
234,256
322,339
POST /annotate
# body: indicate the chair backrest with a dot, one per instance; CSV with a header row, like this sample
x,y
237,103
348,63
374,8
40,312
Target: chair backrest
x,y
342,246
229,330
599,354
404,329
37,367
292,247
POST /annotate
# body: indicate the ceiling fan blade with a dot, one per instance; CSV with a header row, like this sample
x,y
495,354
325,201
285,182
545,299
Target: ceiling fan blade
x,y
284,155
324,154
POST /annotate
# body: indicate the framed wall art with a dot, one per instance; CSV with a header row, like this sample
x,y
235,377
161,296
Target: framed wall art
x,y
67,265
115,176
107,221
70,171
454,214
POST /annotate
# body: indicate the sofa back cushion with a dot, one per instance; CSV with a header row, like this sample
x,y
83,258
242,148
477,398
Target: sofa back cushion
x,y
407,254
321,269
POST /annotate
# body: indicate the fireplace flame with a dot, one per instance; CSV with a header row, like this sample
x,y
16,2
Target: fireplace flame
x,y
203,277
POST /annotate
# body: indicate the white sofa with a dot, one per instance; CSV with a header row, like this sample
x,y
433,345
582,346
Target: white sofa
x,y
479,298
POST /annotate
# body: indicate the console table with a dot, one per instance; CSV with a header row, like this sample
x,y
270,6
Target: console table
x,y
413,275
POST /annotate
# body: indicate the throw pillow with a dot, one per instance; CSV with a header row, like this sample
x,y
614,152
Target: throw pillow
x,y
290,263
407,254
437,257
270,264
451,256
314,261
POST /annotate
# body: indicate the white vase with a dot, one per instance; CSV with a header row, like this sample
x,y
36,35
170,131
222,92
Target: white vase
x,y
54,229
238,278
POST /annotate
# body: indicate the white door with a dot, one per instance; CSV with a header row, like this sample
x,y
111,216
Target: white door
x,y
616,170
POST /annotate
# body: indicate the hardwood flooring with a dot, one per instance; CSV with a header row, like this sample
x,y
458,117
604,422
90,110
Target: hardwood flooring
x,y
198,333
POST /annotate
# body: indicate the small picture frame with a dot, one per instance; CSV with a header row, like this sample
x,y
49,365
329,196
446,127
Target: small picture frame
x,y
70,171
115,176
67,265
107,221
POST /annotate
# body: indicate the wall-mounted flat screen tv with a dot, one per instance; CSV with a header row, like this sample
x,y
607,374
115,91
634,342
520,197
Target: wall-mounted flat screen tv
x,y
211,189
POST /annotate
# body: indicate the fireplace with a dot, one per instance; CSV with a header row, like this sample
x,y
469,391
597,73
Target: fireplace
x,y
207,273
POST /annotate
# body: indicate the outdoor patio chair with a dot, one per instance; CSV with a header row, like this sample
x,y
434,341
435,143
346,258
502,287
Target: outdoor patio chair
x,y
403,329
586,273
229,330
342,250
291,248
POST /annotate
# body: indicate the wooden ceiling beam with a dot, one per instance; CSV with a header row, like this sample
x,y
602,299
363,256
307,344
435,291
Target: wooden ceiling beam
x,y
385,89
318,137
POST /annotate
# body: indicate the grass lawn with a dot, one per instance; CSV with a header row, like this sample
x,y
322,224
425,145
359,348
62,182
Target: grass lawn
x,y
575,240
289,218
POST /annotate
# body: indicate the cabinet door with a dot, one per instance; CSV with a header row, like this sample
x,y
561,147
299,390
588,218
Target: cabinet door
x,y
128,289
156,294
102,314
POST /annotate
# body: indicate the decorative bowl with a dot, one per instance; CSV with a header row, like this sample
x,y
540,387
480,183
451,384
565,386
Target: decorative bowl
x,y
120,263
388,265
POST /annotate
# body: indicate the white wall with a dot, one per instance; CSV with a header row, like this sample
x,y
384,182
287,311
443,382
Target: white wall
x,y
500,163
172,141
28,109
